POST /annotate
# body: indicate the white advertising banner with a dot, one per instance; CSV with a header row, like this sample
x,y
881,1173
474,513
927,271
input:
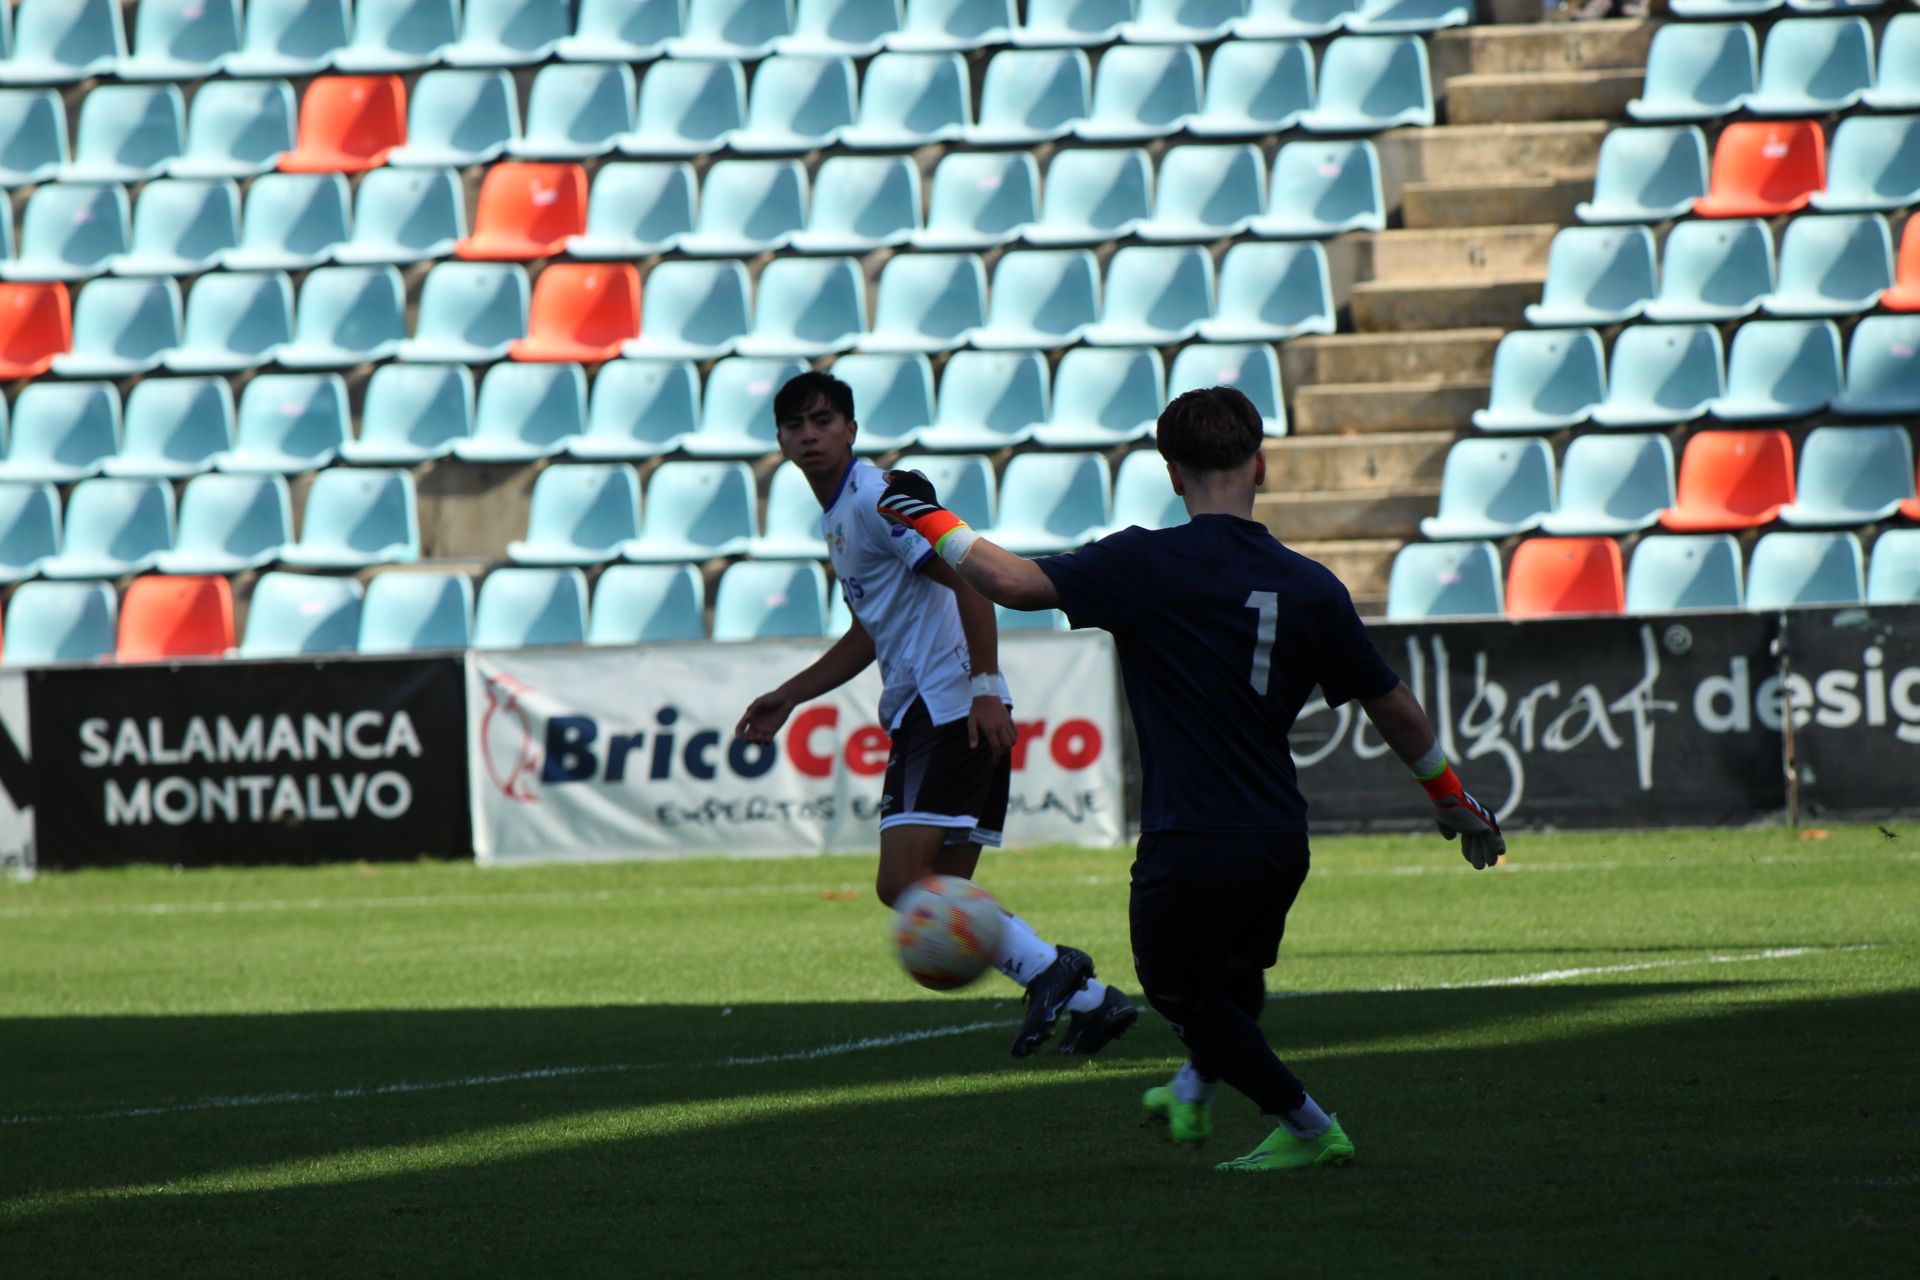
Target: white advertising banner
x,y
16,804
600,754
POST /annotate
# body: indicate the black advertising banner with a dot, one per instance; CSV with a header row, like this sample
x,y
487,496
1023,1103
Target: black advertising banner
x,y
1853,688
246,762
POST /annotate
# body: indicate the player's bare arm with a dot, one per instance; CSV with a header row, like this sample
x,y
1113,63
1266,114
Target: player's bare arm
x,y
987,717
1404,726
994,572
850,655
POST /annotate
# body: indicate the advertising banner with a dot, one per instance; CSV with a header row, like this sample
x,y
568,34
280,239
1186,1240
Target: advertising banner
x,y
629,753
1852,684
16,784
249,762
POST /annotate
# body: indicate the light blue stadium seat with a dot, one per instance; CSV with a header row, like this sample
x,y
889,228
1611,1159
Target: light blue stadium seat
x,y
1073,22
1294,19
1811,66
1780,369
113,528
1647,175
861,203
695,511
357,517
1663,375
648,603
235,320
29,529
927,302
1053,502
1206,193
691,311
582,513
521,608
346,316
792,530
796,104
1445,580
1154,296
1272,292
1372,83
1713,270
1883,367
1897,87
33,136
1175,21
807,307
1254,88
61,41
126,133
458,118
288,423
121,327
1851,476
1394,17
622,30
180,227
1892,578
51,622
469,313
1031,96
288,38
746,29
639,409
1874,164
687,108
1250,367
236,129
1698,71
416,613
508,33
1321,189
173,428
1596,276
1832,266
1040,298
748,207
910,100
964,482
1143,494
291,221
1544,380
404,216
980,200
988,400
942,26
1801,570
1142,92
412,413
636,209
1672,572
230,524
1093,196
398,35
525,412
892,398
61,431
1104,397
293,614
1493,489
69,232
736,409
181,41
1029,620
1611,485
759,600
1722,8
576,111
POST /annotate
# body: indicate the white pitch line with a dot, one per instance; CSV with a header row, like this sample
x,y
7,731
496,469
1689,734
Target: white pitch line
x,y
841,1048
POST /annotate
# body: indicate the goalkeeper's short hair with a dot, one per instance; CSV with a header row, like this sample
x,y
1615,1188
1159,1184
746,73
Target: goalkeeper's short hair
x,y
1210,429
801,390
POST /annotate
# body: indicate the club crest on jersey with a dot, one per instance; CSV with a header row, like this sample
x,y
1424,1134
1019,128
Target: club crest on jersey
x,y
838,541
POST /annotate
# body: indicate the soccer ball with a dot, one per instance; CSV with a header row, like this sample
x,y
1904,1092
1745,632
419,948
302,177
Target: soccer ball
x,y
946,931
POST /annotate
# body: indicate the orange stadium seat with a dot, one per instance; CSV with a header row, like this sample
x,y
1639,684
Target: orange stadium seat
x,y
527,211
582,312
1905,294
175,617
1732,480
1765,168
1565,575
348,124
36,324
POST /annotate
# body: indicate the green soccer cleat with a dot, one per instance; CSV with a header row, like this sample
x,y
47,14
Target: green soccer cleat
x,y
1282,1152
1190,1122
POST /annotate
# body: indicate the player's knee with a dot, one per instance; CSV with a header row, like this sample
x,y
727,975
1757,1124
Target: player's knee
x,y
887,886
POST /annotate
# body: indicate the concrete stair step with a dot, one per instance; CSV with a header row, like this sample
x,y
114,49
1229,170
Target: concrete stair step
x,y
1313,517
1390,460
1530,47
1488,202
1455,355
1336,408
1392,306
1469,152
1459,253
1546,95
1363,564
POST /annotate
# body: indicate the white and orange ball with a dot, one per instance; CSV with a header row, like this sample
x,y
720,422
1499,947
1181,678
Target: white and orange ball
x,y
946,931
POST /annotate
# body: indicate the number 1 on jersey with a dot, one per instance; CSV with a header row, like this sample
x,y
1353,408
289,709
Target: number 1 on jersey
x,y
1267,603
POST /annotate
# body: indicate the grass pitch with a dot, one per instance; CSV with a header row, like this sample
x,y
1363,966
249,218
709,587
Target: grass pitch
x,y
1660,1054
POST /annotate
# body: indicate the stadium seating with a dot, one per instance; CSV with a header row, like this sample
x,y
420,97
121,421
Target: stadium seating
x,y
126,133
1022,620
1544,380
1612,485
910,100
1031,96
1040,298
287,423
403,216
416,612
1103,397
1391,16
61,431
348,124
796,104
113,528
458,118
582,312
1254,88
686,108
1672,572
1596,276
893,395
63,41
357,517
1832,266
1323,188
235,320
469,312
1731,480
691,311
1722,8
1092,196
845,28
1549,576
1073,22
964,482
647,603
1168,21
1053,502
792,530
1893,577
346,316
1883,367
1271,292
121,327
942,25
1662,375
1143,494
747,207
861,203
180,227
582,514
1154,296
69,232
1904,296
980,200
1813,66
759,600
1141,93
1206,193
1368,84
181,42
636,209
1761,170
522,607
1698,71
695,511
1647,175
1780,369
1897,88
36,327
639,409
806,307
1799,570
1713,271
508,33
732,29
1249,367
290,222
1445,580
927,302
988,400
229,524
736,411
1874,165
411,414
51,622
526,211
525,412
29,529
1294,19
173,428
33,136
175,617
288,38
294,614
1851,476
1493,489
236,129
398,35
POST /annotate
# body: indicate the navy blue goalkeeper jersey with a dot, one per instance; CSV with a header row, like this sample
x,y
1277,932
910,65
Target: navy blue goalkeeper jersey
x,y
1222,634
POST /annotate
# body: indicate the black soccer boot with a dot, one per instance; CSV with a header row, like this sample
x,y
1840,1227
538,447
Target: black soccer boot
x,y
1088,1033
1047,997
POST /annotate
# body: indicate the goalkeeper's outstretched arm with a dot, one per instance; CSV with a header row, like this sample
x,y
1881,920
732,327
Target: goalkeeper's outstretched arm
x,y
1403,724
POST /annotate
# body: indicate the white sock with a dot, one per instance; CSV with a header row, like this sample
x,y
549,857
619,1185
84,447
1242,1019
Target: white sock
x,y
1306,1120
1023,954
1088,998
1190,1086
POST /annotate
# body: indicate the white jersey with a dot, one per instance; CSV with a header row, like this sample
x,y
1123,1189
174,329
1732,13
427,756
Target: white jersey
x,y
914,622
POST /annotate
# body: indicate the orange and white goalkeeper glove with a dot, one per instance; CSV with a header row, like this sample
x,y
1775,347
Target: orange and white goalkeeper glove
x,y
910,500
1458,814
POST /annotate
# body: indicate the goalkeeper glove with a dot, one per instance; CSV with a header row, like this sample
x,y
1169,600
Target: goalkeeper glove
x,y
1458,814
910,500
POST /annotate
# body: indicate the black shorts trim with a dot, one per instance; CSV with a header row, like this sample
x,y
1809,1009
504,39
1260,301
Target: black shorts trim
x,y
934,779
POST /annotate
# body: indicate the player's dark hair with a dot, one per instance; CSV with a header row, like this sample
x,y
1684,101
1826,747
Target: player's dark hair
x,y
803,389
1209,429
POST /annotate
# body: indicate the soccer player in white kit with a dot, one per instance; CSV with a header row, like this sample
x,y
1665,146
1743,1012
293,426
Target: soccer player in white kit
x,y
944,703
